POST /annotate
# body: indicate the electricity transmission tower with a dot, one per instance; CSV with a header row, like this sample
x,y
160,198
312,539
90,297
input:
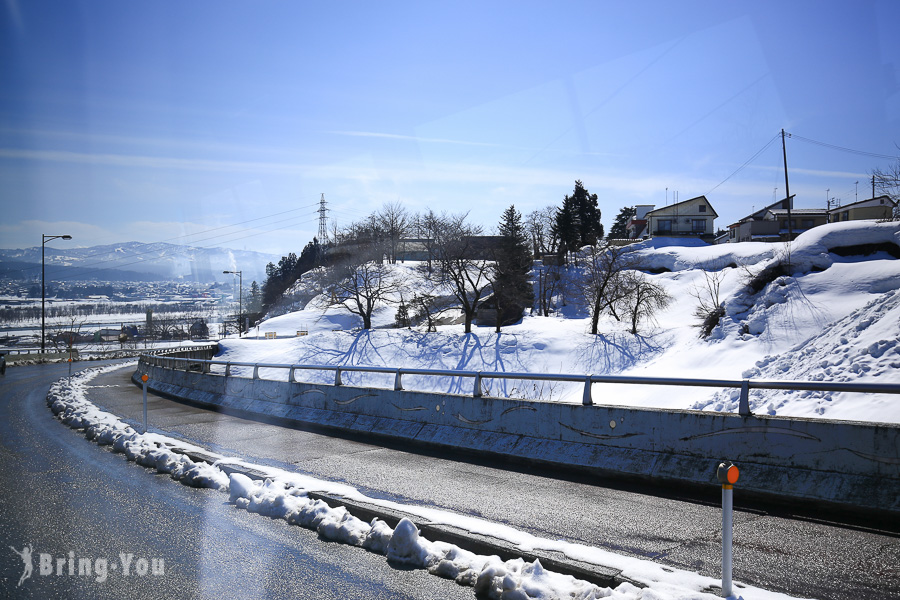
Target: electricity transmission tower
x,y
323,221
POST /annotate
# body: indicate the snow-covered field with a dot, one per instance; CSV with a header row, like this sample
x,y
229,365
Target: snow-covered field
x,y
285,495
837,318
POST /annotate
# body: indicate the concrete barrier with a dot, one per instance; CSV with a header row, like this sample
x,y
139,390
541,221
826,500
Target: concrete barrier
x,y
844,464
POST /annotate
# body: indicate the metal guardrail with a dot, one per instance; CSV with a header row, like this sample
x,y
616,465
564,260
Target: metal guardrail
x,y
82,352
744,385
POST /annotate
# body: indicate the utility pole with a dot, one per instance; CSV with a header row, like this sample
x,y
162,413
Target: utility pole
x,y
323,221
857,191
44,239
873,187
787,190
240,275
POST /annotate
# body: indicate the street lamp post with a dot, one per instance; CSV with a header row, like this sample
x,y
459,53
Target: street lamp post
x,y
44,239
240,275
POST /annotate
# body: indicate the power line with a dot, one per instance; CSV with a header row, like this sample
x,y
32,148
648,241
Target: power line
x,y
203,232
166,254
120,265
841,148
749,160
194,242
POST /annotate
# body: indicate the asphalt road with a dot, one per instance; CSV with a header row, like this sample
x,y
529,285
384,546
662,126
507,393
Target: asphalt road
x,y
62,494
805,557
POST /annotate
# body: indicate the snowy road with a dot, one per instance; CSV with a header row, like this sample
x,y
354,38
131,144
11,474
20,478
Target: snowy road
x,y
803,557
133,534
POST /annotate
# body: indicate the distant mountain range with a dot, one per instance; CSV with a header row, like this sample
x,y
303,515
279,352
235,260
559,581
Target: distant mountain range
x,y
136,261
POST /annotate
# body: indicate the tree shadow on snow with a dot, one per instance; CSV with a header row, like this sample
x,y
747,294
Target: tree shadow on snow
x,y
616,352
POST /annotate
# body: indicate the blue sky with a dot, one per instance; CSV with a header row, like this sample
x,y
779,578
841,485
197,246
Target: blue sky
x,y
159,121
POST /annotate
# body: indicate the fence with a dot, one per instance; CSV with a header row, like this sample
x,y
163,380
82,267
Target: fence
x,y
744,385
18,354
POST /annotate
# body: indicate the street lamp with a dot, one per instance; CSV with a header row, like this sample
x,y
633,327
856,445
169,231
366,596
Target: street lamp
x,y
240,275
44,239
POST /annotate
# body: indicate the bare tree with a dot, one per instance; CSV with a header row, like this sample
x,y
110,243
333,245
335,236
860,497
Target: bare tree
x,y
643,298
539,224
603,285
549,284
361,288
395,223
459,267
430,230
709,308
887,182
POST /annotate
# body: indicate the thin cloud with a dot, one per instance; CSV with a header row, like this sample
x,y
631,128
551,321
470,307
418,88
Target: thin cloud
x,y
413,138
152,162
813,172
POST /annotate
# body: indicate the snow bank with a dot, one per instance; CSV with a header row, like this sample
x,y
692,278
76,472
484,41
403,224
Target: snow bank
x,y
862,347
67,399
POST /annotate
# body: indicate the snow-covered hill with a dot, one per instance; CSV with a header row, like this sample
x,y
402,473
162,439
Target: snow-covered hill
x,y
835,318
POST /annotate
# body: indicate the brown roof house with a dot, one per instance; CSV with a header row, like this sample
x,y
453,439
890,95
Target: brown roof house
x,y
755,228
690,218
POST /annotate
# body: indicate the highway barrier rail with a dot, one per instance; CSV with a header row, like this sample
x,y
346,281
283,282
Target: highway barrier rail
x,y
744,385
842,464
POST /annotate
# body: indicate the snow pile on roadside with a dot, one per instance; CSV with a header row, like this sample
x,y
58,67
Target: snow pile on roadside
x,y
285,495
490,576
68,402
862,347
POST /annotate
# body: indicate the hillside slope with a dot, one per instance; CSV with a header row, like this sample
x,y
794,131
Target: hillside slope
x,y
834,318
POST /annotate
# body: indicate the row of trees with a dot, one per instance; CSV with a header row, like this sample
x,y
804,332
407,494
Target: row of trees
x,y
468,271
459,262
563,230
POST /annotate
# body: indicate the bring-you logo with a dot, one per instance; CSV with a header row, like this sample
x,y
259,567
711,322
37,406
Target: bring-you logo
x,y
97,568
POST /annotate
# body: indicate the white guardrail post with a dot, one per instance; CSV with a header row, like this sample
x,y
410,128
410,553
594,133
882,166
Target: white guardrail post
x,y
727,474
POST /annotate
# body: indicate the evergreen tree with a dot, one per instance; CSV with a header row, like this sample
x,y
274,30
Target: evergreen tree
x,y
512,290
254,303
566,228
589,227
618,231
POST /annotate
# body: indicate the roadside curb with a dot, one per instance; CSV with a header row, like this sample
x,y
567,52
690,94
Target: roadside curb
x,y
473,542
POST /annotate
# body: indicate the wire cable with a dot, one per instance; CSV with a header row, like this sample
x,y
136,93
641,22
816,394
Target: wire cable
x,y
196,243
841,148
749,160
